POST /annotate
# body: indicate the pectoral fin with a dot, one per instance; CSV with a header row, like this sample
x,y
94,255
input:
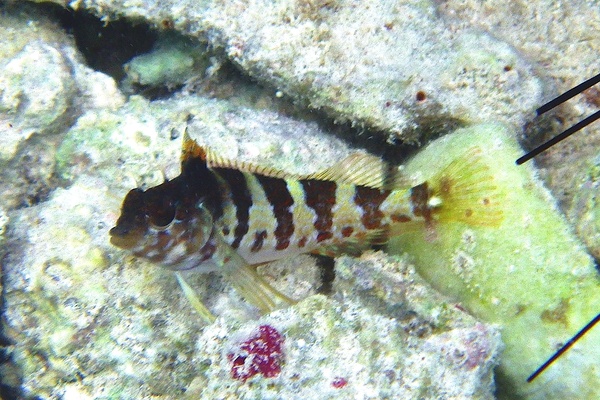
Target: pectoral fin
x,y
194,300
251,286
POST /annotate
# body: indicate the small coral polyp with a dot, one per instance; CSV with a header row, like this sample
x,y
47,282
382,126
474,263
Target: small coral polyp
x,y
261,353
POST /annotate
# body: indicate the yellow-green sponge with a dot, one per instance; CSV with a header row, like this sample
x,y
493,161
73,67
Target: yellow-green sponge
x,y
529,274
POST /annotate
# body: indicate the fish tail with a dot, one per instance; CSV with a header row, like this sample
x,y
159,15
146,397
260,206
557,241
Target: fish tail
x,y
465,191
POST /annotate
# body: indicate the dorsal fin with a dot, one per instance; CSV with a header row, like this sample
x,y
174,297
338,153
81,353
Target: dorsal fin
x,y
364,170
214,160
356,169
191,149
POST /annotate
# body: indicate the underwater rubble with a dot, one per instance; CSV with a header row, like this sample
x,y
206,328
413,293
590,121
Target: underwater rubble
x,y
384,334
390,66
81,319
82,316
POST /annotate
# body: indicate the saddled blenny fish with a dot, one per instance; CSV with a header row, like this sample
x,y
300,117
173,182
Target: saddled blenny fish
x,y
227,216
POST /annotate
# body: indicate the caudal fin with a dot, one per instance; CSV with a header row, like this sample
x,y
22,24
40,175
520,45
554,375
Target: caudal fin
x,y
465,191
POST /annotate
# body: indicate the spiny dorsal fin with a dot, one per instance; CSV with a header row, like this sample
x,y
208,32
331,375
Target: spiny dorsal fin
x,y
356,169
214,160
191,149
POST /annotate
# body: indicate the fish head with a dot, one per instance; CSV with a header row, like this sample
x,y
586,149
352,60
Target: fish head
x,y
163,224
132,224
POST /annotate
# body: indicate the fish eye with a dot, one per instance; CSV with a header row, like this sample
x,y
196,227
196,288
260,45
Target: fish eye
x,y
162,214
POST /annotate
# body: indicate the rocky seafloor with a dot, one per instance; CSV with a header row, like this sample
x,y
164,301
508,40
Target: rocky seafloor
x,y
95,98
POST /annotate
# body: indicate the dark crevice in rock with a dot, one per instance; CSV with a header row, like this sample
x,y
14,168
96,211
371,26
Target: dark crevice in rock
x,y
155,93
374,141
106,46
10,376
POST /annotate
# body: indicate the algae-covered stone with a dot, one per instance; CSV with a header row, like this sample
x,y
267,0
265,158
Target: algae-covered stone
x,y
104,141
385,64
36,89
140,143
585,209
44,86
44,83
3,223
530,274
79,324
173,61
389,65
411,344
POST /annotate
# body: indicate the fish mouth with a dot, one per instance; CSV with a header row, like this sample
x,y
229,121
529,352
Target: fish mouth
x,y
124,238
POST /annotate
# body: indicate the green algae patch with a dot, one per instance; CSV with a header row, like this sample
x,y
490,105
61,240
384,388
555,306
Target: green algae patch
x,y
585,209
91,132
174,60
530,275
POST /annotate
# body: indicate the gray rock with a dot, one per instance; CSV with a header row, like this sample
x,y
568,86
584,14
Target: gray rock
x,y
386,65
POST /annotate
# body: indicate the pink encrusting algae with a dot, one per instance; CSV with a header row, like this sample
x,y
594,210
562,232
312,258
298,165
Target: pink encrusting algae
x,y
339,382
261,353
